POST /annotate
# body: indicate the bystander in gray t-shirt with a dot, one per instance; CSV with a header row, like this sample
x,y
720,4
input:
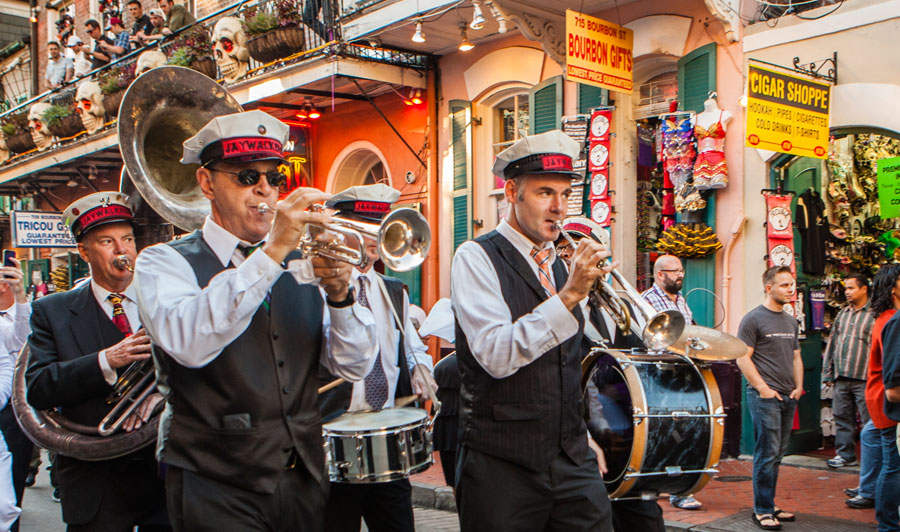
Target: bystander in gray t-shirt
x,y
773,337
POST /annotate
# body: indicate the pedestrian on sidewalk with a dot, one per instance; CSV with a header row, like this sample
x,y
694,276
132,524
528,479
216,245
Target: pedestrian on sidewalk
x,y
774,370
879,481
844,367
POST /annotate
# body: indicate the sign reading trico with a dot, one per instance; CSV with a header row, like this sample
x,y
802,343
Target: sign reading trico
x,y
598,52
787,113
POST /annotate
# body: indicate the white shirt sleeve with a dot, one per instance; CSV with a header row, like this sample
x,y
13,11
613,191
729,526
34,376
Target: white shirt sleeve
x,y
500,345
350,341
418,351
7,366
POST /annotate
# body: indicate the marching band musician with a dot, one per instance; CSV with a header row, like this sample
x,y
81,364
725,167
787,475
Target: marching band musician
x,y
601,330
524,461
237,344
80,340
402,368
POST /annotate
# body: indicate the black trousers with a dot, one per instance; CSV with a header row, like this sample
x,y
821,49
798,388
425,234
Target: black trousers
x,y
386,507
448,465
497,495
21,449
637,516
201,504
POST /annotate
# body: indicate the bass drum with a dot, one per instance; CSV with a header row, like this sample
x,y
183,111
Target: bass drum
x,y
658,418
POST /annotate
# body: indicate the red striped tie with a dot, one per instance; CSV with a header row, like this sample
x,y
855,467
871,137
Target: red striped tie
x,y
119,318
542,258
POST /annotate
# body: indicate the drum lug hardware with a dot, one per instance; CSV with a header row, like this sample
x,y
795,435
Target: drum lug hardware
x,y
673,471
680,413
720,416
638,415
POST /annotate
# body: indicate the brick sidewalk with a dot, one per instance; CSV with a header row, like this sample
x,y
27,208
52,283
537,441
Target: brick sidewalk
x,y
800,490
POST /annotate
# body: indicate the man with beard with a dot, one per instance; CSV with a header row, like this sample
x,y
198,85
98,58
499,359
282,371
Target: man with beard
x,y
665,294
774,372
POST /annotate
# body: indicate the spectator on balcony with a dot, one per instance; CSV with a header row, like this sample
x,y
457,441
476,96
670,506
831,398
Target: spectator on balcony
x,y
81,61
177,16
122,44
311,17
141,21
100,57
60,68
157,24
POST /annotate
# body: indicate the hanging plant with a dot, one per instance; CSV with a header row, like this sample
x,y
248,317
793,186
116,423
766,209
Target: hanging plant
x,y
116,78
56,114
257,22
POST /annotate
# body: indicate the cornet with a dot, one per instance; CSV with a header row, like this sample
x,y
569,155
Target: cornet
x,y
403,239
123,262
661,329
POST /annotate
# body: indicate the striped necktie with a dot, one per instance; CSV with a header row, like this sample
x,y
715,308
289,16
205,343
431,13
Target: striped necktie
x,y
376,384
119,319
542,258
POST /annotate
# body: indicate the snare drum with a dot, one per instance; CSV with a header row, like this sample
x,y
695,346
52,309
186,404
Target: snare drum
x,y
658,418
364,447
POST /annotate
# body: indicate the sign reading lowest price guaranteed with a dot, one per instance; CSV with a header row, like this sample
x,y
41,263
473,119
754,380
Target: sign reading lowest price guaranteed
x,y
598,52
787,113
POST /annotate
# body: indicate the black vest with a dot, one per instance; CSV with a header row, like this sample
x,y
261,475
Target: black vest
x,y
336,401
530,416
238,418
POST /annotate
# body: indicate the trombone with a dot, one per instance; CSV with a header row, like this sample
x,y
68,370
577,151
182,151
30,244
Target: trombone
x,y
403,239
661,329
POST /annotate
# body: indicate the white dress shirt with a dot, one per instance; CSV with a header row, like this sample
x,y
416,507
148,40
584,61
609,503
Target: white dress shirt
x,y
194,325
129,304
15,326
500,345
388,339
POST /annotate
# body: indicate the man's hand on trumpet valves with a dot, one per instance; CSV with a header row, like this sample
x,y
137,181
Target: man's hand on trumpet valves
x,y
135,347
291,216
584,272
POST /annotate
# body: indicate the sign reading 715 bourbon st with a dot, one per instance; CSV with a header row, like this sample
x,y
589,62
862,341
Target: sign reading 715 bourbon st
x,y
787,113
598,52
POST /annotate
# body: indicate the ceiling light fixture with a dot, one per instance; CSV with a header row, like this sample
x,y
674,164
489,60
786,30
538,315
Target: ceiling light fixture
x,y
418,36
92,173
464,44
71,183
416,97
477,17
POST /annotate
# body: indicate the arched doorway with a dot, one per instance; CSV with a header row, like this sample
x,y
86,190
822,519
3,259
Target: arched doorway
x,y
360,163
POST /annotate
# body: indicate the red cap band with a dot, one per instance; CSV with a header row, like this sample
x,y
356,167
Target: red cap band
x,y
557,162
579,228
255,147
368,207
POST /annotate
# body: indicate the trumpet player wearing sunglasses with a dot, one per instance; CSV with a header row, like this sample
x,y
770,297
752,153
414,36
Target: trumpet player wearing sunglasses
x,y
240,328
524,461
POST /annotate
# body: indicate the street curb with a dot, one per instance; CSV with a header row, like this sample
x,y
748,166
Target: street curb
x,y
678,526
429,496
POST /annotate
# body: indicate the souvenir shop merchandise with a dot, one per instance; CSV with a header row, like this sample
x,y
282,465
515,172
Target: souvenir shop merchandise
x,y
710,170
679,154
813,228
689,241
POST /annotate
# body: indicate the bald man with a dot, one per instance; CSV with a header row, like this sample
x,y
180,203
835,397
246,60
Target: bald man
x,y
665,294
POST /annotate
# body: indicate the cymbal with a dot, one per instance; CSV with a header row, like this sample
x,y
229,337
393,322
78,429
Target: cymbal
x,y
708,344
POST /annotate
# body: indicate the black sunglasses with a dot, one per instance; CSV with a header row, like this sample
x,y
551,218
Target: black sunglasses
x,y
249,177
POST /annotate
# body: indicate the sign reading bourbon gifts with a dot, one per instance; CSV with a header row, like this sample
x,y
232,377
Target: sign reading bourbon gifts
x,y
598,52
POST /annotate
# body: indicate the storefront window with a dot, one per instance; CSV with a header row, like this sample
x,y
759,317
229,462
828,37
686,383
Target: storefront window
x,y
511,116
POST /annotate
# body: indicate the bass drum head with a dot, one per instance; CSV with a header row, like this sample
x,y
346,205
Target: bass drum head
x,y
610,421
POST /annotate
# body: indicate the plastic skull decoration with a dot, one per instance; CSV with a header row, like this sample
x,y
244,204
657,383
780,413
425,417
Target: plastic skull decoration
x,y
89,104
149,59
40,133
231,48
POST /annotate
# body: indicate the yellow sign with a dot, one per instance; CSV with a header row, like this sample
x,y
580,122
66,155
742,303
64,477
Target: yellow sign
x,y
598,52
787,113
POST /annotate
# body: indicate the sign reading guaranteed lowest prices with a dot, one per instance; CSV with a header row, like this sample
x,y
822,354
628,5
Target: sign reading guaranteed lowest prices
x,y
598,52
787,113
34,229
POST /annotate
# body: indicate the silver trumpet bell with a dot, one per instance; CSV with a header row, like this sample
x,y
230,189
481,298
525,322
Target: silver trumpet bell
x,y
403,238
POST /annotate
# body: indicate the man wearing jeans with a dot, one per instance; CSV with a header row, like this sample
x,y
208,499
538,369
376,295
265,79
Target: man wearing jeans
x,y
774,370
844,367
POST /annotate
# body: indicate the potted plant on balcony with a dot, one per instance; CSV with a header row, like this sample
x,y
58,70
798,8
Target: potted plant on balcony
x,y
113,83
194,50
62,121
15,130
273,36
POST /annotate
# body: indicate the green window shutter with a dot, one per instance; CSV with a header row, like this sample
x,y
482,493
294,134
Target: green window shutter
x,y
545,101
461,151
696,79
590,96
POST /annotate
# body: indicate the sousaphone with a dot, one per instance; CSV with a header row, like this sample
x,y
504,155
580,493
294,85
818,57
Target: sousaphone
x,y
160,110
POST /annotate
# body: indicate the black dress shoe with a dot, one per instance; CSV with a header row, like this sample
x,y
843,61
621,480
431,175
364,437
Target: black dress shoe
x,y
29,480
860,502
852,492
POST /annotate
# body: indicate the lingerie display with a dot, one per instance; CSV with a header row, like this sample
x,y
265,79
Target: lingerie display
x,y
679,155
710,171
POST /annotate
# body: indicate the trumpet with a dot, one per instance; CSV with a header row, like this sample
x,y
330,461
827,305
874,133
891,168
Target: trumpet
x,y
661,329
403,239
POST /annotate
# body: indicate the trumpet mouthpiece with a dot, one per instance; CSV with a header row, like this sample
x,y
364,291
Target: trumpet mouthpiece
x,y
123,262
263,208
